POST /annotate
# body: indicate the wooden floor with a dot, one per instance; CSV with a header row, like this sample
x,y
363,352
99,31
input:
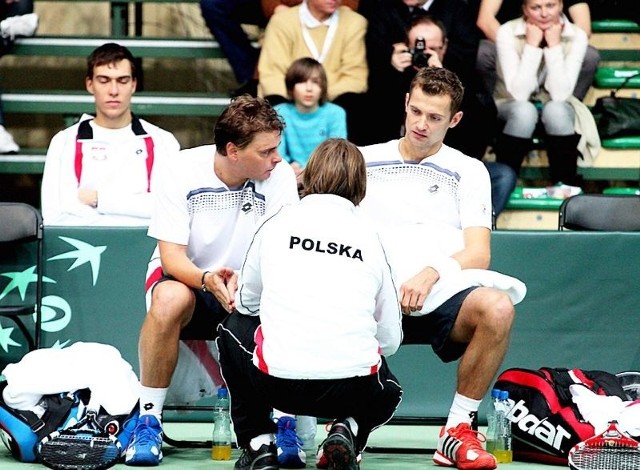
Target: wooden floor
x,y
420,438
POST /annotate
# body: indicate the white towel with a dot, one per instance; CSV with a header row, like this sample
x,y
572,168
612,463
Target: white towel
x,y
99,367
598,410
411,248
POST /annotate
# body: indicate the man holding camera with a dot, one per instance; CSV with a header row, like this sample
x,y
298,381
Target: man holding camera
x,y
388,22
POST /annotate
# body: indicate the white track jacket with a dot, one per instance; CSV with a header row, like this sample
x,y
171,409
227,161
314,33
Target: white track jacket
x,y
317,275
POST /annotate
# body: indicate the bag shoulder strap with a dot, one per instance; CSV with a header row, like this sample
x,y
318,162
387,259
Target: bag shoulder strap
x,y
623,84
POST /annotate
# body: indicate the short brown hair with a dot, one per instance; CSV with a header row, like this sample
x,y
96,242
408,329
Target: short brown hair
x,y
337,167
245,117
301,70
107,54
438,81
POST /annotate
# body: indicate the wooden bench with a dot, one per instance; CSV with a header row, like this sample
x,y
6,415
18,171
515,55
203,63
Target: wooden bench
x,y
616,39
74,103
529,213
157,47
27,162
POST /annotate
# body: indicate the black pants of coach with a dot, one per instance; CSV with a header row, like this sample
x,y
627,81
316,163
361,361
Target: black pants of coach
x,y
370,400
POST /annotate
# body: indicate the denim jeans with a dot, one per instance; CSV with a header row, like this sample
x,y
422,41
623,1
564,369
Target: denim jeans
x,y
225,18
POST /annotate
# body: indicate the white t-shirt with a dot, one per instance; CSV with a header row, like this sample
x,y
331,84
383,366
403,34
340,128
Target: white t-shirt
x,y
115,163
196,209
318,277
448,187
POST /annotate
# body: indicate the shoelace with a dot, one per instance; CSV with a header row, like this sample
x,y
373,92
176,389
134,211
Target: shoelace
x,y
287,437
145,435
477,436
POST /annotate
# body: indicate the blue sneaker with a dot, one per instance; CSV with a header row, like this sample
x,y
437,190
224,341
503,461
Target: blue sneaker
x,y
145,449
289,445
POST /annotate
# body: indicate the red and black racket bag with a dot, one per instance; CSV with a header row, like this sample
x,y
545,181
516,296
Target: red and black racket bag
x,y
545,423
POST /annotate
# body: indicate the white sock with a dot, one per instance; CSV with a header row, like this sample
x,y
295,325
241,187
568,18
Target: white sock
x,y
461,410
152,401
260,440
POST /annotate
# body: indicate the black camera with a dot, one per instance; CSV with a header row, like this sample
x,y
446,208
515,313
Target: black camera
x,y
419,58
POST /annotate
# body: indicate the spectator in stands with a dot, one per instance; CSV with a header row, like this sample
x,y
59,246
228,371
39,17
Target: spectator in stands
x,y
225,18
210,201
309,118
16,20
101,170
493,13
422,190
333,35
269,353
539,59
388,22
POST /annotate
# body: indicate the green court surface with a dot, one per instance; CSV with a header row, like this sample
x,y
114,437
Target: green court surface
x,y
392,436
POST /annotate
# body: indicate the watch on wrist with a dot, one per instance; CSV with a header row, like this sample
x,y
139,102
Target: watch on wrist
x,y
204,285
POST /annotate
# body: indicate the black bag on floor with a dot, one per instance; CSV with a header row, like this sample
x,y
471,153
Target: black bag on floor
x,y
545,423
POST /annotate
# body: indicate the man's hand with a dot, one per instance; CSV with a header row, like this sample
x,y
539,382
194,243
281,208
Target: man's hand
x,y
414,292
223,284
400,57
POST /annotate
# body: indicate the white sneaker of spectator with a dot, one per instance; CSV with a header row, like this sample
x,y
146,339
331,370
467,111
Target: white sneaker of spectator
x,y
7,144
20,25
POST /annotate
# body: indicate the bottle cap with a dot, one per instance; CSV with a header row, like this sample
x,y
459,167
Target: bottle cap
x,y
223,392
495,393
504,395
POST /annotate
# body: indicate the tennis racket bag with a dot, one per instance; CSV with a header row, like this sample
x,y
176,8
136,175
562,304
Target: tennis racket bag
x,y
21,430
545,423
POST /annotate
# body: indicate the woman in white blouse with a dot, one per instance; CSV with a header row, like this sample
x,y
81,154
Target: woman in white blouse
x,y
539,59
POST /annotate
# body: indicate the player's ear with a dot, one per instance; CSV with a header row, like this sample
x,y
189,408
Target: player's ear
x,y
455,119
232,151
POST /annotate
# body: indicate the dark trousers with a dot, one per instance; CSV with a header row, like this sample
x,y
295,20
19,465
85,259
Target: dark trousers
x,y
370,400
225,19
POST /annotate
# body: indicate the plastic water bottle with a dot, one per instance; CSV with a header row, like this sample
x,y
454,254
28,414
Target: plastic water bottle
x,y
492,424
505,453
221,448
307,427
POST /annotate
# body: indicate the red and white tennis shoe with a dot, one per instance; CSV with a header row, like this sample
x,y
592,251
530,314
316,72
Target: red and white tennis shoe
x,y
460,447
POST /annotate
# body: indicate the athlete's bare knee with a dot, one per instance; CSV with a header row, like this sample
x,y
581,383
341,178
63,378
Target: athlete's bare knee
x,y
171,301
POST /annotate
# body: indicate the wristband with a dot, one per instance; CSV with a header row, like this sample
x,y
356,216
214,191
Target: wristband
x,y
204,286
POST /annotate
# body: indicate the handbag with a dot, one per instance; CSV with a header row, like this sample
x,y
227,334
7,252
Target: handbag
x,y
616,116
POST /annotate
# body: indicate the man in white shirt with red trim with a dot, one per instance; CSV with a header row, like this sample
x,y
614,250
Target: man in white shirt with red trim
x,y
100,170
210,202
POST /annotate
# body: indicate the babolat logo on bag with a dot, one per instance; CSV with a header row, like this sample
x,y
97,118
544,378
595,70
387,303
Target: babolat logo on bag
x,y
545,423
22,430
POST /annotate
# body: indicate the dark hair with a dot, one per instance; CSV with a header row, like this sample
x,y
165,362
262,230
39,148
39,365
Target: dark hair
x,y
438,81
245,117
302,70
421,17
337,167
110,53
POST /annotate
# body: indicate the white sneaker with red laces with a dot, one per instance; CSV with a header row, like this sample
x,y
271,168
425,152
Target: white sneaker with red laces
x,y
460,447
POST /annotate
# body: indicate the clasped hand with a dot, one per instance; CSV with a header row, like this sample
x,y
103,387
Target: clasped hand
x,y
551,35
